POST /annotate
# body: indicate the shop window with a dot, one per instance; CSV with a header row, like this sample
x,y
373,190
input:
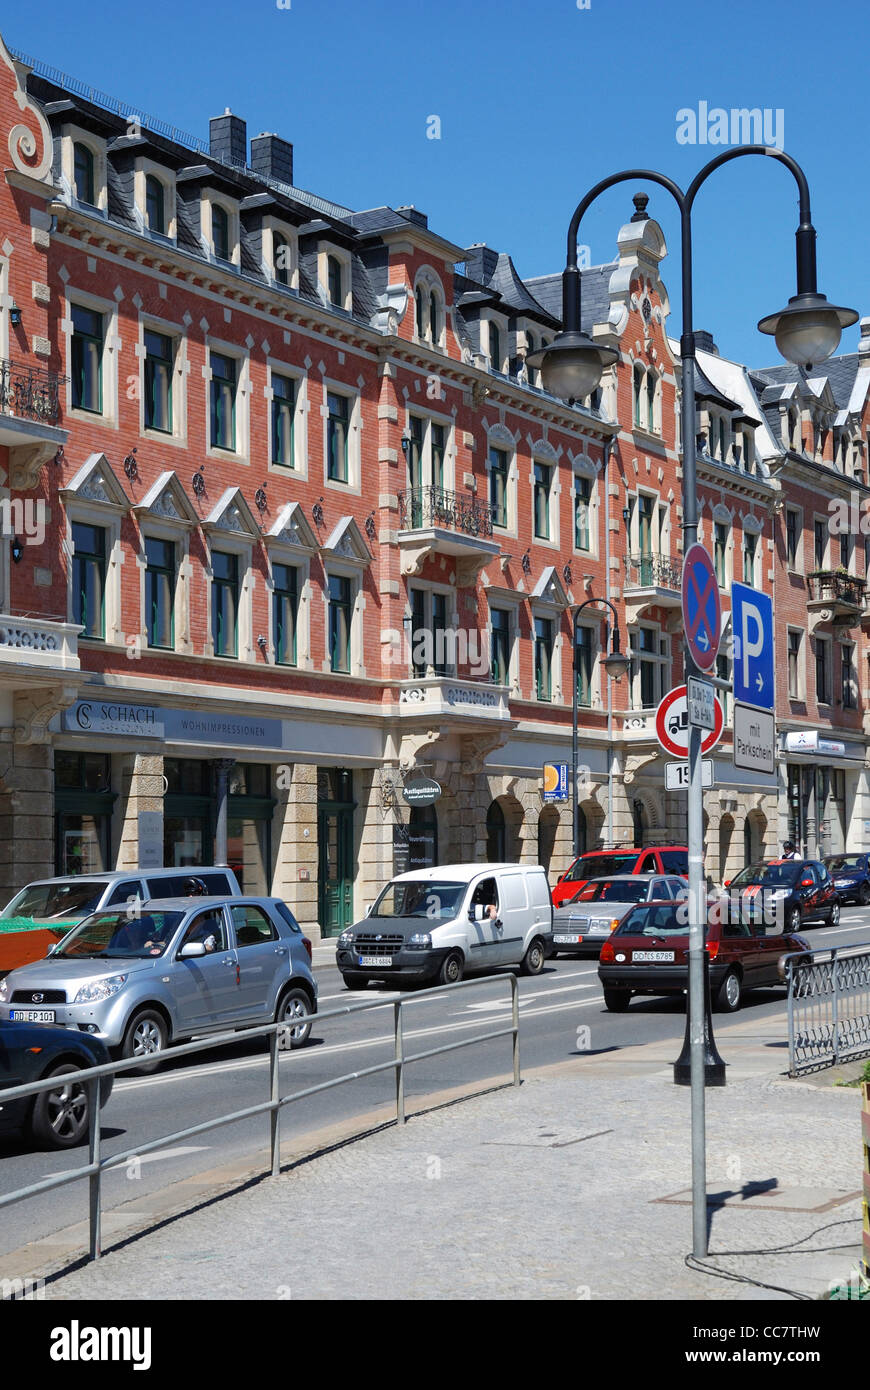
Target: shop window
x,y
250,808
496,835
187,813
83,801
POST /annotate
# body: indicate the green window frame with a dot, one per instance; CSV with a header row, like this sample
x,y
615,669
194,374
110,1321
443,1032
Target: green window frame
x,y
637,394
89,579
160,579
645,514
283,421
335,281
438,437
420,315
337,427
500,645
440,663
544,659
155,205
220,232
419,645
585,664
498,485
285,613
86,359
340,615
543,475
650,402
225,603
434,317
83,173
158,382
224,384
582,497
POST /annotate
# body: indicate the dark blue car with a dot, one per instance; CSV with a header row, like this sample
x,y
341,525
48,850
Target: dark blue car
x,y
851,875
53,1119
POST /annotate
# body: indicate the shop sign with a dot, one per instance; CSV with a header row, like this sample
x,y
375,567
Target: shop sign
x,y
171,725
811,741
421,791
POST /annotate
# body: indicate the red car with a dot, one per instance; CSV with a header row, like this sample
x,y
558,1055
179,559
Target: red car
x,y
604,863
648,953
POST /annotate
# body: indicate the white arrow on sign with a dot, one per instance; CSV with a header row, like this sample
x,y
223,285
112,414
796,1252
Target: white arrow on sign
x,y
759,681
703,640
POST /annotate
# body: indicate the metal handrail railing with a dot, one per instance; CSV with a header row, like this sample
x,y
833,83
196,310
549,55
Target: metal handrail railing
x,y
828,1006
93,1078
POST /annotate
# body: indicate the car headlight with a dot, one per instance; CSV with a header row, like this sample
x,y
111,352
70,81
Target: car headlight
x,y
346,938
100,989
420,941
4,989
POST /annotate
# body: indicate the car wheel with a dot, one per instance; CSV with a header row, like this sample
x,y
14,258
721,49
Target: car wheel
x,y
794,920
60,1118
730,993
533,961
355,981
864,894
295,1006
834,915
146,1036
617,1000
452,969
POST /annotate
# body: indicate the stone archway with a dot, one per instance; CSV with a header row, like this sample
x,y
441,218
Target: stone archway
x,y
724,863
548,829
504,820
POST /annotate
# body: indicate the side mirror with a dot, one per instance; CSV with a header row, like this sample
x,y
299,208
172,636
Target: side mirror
x,y
726,883
193,948
477,913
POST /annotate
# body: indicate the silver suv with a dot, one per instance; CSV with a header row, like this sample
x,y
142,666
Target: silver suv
x,y
141,977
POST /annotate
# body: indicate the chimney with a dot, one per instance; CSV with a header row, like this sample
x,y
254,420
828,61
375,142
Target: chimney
x,y
413,215
704,341
864,341
273,157
228,138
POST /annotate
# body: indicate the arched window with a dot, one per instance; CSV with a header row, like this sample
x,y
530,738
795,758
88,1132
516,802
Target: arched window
x,y
651,402
496,834
637,382
421,324
83,173
155,205
434,319
220,232
281,256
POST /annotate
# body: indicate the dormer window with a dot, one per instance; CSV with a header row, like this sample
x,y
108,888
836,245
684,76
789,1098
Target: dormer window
x,y
335,281
495,349
155,205
428,308
220,232
282,256
83,173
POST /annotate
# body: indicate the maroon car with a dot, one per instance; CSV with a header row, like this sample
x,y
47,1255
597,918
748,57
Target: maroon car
x,y
648,953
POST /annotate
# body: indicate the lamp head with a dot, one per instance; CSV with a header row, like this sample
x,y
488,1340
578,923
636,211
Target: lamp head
x,y
808,329
571,365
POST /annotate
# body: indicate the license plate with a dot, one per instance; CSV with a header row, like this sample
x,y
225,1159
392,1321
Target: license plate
x,y
567,940
32,1015
652,955
375,960
841,883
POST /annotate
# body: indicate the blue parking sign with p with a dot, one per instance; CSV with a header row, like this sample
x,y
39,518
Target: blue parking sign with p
x,y
752,626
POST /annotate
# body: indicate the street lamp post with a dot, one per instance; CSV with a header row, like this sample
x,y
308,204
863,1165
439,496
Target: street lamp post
x,y
615,664
806,331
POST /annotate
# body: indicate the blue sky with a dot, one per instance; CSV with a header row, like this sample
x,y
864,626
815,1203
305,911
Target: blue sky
x,y
537,102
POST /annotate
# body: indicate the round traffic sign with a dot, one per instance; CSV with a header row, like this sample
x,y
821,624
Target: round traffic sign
x,y
702,611
672,724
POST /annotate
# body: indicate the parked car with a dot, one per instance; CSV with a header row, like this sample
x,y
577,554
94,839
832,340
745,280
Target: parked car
x,y
584,921
851,875
605,863
648,953
43,912
434,924
139,979
29,1052
791,891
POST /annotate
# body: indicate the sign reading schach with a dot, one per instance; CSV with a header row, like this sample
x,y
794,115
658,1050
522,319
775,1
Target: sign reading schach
x,y
171,725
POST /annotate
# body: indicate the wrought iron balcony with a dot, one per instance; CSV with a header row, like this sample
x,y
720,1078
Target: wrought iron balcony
x,y
29,393
432,506
842,592
652,572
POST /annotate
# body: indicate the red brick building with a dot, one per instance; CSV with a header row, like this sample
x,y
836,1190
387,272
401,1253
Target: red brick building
x,y
286,509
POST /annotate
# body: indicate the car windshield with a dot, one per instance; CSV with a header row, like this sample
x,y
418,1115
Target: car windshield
x,y
846,863
659,920
601,866
604,890
43,901
768,875
424,897
108,935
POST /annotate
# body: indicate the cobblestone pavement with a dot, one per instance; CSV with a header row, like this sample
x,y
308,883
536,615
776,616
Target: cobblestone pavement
x,y
556,1191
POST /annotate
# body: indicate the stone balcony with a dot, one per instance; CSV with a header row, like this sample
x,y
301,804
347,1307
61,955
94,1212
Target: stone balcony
x,y
651,581
29,412
835,597
37,651
443,697
433,521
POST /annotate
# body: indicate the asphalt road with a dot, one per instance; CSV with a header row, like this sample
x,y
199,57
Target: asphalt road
x,y
561,1014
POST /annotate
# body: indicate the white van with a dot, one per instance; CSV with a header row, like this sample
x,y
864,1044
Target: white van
x,y
431,925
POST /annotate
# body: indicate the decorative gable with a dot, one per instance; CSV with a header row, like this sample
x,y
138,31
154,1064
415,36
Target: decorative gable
x,y
346,543
549,589
233,516
29,141
168,501
292,529
96,482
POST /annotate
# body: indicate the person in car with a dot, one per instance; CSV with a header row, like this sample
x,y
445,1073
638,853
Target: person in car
x,y
788,850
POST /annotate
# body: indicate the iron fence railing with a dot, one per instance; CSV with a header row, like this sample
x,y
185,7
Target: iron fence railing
x,y
648,571
30,393
828,1007
829,586
433,506
92,1077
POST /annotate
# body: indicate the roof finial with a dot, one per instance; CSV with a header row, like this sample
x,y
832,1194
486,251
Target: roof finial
x,y
640,201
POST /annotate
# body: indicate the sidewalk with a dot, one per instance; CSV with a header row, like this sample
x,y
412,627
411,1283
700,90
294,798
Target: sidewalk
x,y
575,1186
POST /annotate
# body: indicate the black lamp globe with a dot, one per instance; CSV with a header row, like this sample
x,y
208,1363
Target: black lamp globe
x,y
571,365
808,329
616,665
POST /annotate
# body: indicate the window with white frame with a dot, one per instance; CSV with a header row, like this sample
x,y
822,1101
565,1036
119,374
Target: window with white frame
x,y
230,598
220,221
721,531
426,451
281,253
585,662
496,343
154,197
343,638
94,547
92,358
227,386
334,276
823,670
501,645
584,535
83,166
793,530
751,554
544,524
795,659
649,657
341,444
429,308
499,469
433,631
821,538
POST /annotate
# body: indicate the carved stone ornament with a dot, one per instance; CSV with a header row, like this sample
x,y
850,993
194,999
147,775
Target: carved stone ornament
x,y
25,463
635,763
30,140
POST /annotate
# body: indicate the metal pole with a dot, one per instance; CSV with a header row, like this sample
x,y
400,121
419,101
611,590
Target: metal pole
x,y
515,1020
575,829
275,1114
400,1063
94,1089
835,981
223,767
608,450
